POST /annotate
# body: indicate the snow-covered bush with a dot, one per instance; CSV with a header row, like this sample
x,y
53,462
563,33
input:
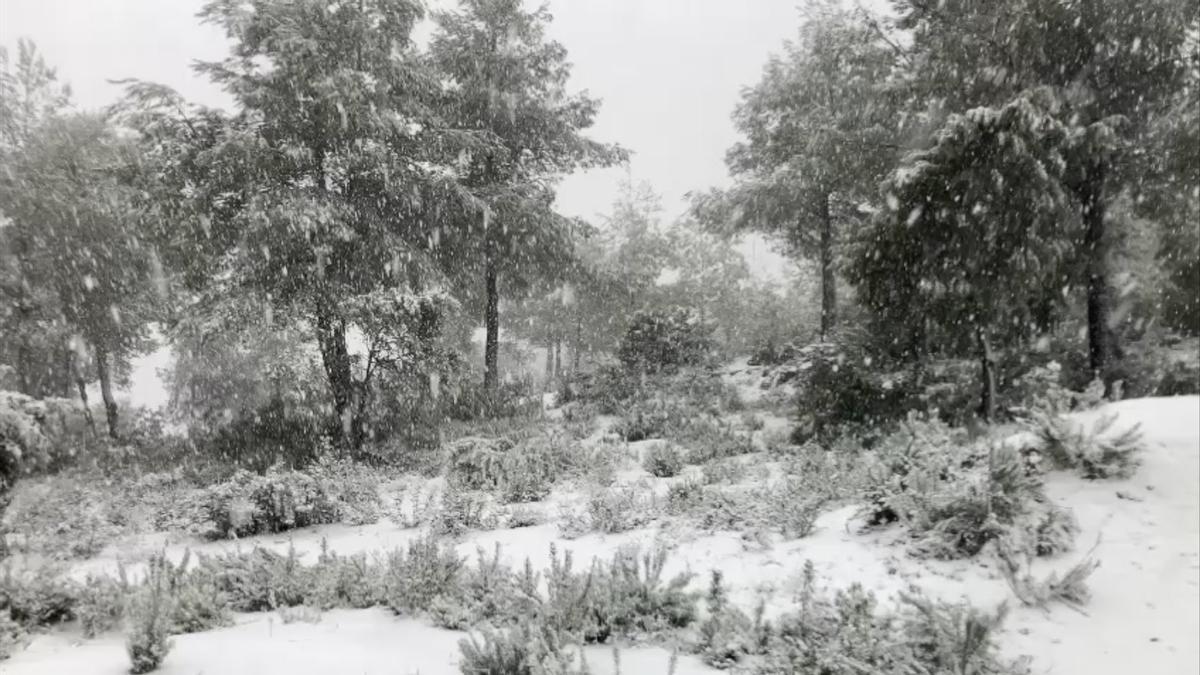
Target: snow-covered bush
x,y
258,580
329,492
12,635
727,635
460,511
37,597
102,602
663,460
849,633
415,576
149,633
529,648
352,582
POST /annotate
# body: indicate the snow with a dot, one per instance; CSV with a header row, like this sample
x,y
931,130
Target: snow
x,y
370,642
1144,614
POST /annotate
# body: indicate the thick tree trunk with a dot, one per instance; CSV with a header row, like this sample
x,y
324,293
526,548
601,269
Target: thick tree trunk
x,y
331,339
987,371
828,278
104,373
1100,335
491,323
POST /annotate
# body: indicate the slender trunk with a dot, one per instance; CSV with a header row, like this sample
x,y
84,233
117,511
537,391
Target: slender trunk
x,y
549,362
828,279
87,407
103,372
557,358
491,322
1100,338
331,339
987,363
575,348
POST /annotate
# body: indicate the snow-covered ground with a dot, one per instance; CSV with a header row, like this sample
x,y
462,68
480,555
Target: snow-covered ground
x,y
1144,615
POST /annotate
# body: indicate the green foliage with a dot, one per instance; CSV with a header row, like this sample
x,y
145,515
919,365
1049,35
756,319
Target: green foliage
x,y
664,341
12,635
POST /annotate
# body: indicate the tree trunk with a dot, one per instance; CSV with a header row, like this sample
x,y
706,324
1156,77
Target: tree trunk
x,y
828,279
87,408
1100,339
557,358
103,372
575,348
549,362
491,322
987,371
331,339
75,368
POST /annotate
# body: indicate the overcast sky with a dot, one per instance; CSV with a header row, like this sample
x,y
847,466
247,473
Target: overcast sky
x,y
668,71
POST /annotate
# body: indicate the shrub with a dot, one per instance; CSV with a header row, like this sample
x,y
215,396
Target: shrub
x,y
663,460
526,649
461,511
709,438
631,598
149,642
66,516
197,600
652,418
727,635
849,634
520,471
352,582
617,510
12,635
102,604
728,470
39,597
259,580
837,392
280,500
1096,453
277,432
300,613
1071,588
415,576
664,340
484,594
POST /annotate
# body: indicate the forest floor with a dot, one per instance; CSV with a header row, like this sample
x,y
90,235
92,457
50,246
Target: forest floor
x,y
1144,613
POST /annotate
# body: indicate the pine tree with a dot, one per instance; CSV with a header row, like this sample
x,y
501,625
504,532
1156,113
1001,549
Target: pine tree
x,y
510,83
970,254
820,133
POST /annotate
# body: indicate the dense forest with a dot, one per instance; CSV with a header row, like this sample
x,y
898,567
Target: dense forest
x,y
990,212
